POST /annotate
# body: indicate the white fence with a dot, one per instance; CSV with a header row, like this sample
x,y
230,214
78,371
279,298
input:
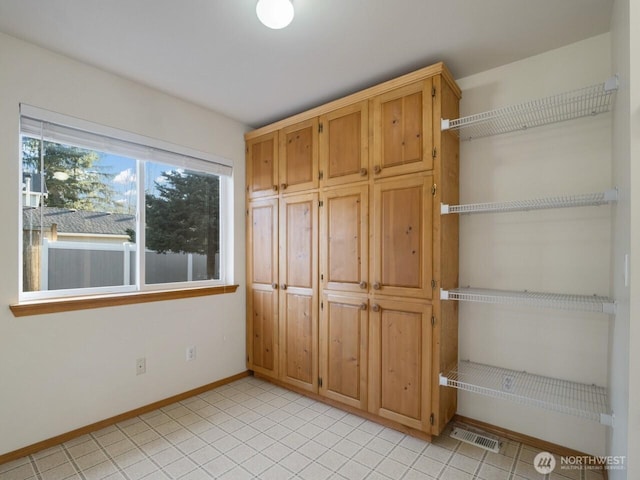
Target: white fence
x,y
66,265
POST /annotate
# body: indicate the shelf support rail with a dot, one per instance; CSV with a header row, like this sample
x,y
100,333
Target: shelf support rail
x,y
544,111
582,303
577,399
559,201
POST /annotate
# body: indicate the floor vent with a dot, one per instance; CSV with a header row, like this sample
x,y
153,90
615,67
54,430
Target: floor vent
x,y
479,440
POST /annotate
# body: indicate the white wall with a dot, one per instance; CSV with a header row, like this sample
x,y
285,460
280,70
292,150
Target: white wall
x,y
59,372
564,251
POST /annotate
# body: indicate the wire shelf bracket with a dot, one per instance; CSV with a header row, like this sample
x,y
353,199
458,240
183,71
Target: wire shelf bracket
x,y
559,201
581,303
544,111
571,398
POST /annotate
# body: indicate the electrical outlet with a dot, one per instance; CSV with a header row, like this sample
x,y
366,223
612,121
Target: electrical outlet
x,y
191,353
141,366
507,383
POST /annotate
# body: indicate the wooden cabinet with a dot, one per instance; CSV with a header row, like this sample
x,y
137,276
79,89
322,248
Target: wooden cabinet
x,y
402,130
402,236
400,362
283,161
344,239
356,205
344,145
262,165
262,283
344,330
299,290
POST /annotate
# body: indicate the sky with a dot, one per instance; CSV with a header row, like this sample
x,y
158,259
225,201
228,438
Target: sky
x,y
122,173
124,180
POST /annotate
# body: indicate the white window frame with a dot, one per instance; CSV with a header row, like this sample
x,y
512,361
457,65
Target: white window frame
x,y
142,149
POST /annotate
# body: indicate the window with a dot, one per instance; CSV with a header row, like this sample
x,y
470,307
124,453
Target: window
x,y
107,211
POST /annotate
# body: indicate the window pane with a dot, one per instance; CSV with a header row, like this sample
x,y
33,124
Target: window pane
x,y
78,212
182,231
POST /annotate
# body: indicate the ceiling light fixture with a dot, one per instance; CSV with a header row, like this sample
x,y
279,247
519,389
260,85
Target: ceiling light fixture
x,y
275,14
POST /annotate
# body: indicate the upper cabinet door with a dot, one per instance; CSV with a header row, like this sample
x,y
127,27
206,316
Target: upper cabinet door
x,y
299,157
402,237
262,165
344,145
344,239
402,130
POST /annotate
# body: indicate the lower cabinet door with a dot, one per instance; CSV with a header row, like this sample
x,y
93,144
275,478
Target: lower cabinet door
x,y
262,336
344,324
262,287
400,361
298,345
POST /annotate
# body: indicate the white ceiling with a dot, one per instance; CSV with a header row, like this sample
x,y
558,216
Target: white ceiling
x,y
217,54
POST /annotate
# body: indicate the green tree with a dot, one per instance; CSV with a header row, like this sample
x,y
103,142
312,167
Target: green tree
x,y
71,174
184,216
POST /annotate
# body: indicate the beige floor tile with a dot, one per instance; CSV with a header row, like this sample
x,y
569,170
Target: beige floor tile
x,y
253,429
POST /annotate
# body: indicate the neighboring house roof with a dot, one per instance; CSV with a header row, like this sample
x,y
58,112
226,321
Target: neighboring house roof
x,y
78,221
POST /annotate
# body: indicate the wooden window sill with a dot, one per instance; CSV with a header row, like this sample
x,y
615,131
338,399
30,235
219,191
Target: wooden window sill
x,y
85,303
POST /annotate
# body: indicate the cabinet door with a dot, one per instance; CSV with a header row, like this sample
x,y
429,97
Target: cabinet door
x,y
262,282
400,362
344,239
344,141
402,130
299,157
402,237
344,324
298,290
262,165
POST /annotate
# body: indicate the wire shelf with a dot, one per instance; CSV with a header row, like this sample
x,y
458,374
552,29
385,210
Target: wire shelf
x,y
559,201
577,399
582,303
558,108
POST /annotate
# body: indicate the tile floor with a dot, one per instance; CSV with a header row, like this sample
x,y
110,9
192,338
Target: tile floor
x,y
253,429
